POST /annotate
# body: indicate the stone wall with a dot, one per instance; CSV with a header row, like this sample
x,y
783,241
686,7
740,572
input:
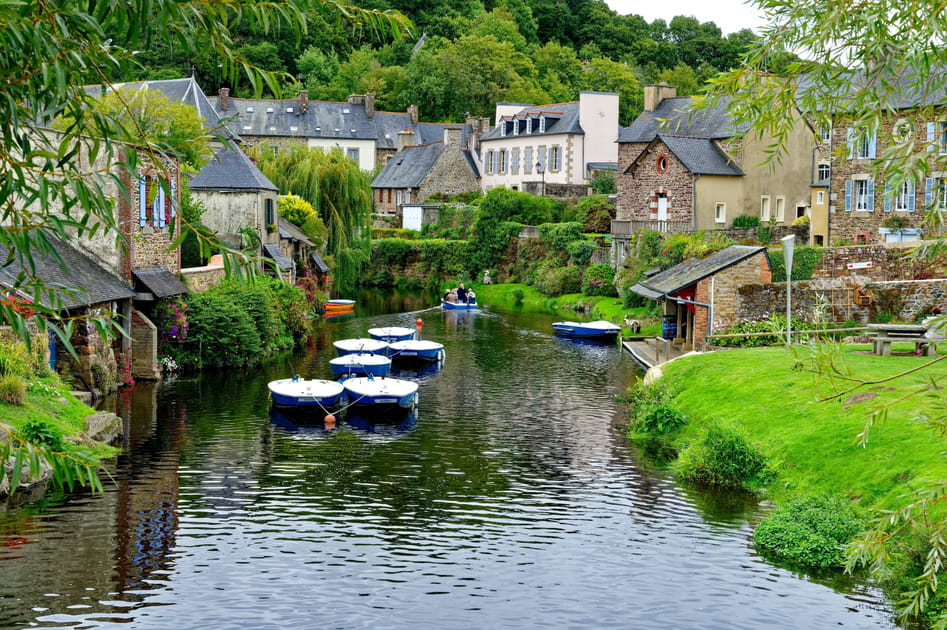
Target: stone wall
x,y
637,189
200,279
144,348
450,175
888,262
95,366
722,290
742,235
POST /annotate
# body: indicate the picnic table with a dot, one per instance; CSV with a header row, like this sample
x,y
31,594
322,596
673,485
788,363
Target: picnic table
x,y
883,335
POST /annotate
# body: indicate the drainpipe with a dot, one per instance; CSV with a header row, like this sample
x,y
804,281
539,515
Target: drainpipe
x,y
709,307
694,202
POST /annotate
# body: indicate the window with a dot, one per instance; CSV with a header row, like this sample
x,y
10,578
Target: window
x,y
502,153
860,195
780,213
489,161
389,195
515,161
825,133
528,160
861,144
502,125
156,201
824,171
516,127
900,198
494,161
801,211
269,213
399,199
555,158
720,212
937,136
353,154
820,197
935,192
764,208
542,124
541,160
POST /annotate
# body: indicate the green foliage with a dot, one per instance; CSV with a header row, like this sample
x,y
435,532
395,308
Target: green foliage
x,y
804,261
402,233
746,221
40,433
503,204
580,252
518,296
764,234
660,420
596,214
603,183
809,532
776,325
552,278
12,389
557,236
446,258
722,457
300,213
15,359
651,409
598,280
391,252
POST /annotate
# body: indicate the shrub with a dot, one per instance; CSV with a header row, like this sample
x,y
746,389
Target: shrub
x,y
551,278
598,280
596,214
39,433
804,261
15,359
559,235
660,420
776,324
518,296
13,389
810,532
580,252
722,457
391,252
803,220
746,221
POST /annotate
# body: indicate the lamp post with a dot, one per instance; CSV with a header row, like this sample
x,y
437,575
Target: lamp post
x,y
788,243
542,173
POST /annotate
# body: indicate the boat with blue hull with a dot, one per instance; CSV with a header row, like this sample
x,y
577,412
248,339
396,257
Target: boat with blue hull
x,y
416,350
459,306
299,392
369,394
360,364
392,333
600,330
351,346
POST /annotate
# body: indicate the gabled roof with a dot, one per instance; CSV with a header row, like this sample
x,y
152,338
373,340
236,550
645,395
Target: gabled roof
x,y
282,117
78,271
681,276
290,231
231,169
271,250
561,118
672,117
160,282
318,262
700,156
408,167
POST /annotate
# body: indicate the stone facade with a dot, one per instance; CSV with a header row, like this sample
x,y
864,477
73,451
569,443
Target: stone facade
x,y
96,365
451,175
722,290
638,191
200,279
144,364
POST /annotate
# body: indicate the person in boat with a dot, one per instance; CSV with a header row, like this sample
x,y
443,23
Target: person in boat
x,y
471,297
452,296
462,294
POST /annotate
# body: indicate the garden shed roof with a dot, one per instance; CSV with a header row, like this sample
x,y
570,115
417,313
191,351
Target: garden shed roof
x,y
689,272
161,282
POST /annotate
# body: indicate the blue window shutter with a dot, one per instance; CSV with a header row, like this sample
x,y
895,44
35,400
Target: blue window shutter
x,y
850,141
887,197
928,192
871,195
157,210
872,143
848,195
142,200
931,130
173,198
910,196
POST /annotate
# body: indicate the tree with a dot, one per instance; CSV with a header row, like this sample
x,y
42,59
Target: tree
x,y
858,63
605,75
300,212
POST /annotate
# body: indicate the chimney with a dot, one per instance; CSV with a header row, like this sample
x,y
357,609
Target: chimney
x,y
654,94
303,100
413,112
451,137
405,138
224,102
369,105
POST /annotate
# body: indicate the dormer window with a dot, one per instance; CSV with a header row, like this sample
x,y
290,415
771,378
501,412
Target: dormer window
x,y
542,124
289,110
516,127
269,110
293,128
502,126
527,128
353,131
346,110
249,109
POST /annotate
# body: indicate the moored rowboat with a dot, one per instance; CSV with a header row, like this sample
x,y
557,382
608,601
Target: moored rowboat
x,y
350,346
381,394
600,329
299,392
360,364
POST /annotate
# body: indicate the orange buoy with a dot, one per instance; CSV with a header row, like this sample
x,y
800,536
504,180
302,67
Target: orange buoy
x,y
330,420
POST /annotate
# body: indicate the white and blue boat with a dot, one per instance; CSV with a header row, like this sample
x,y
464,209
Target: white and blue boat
x,y
451,306
360,364
600,330
299,392
351,346
384,394
416,350
392,333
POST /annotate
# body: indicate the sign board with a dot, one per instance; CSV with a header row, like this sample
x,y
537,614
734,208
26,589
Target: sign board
x,y
859,265
411,217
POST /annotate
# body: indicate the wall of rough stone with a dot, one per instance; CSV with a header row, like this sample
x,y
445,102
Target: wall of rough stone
x,y
723,290
144,365
95,366
200,279
888,262
635,190
451,175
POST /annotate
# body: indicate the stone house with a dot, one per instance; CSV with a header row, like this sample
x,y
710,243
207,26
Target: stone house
x,y
418,171
703,296
551,149
681,172
860,201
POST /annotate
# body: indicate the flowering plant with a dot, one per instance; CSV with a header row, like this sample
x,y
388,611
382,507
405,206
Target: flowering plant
x,y
124,365
172,320
18,305
168,364
599,280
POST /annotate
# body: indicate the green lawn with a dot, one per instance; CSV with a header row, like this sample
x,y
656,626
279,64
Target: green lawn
x,y
813,445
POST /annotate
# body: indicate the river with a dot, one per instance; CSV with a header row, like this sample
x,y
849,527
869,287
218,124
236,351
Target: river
x,y
510,499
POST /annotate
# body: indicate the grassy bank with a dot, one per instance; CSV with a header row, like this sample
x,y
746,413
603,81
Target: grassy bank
x,y
509,296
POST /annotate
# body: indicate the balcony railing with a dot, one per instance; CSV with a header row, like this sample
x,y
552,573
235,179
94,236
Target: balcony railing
x,y
627,228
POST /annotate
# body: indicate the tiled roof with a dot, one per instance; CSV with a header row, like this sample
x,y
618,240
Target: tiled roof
x,y
93,284
231,169
672,117
700,156
318,262
271,250
560,118
408,167
692,271
290,231
161,282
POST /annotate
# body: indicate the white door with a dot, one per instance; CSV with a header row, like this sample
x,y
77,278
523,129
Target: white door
x,y
411,218
662,213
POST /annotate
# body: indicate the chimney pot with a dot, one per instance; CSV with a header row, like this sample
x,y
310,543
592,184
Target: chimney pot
x,y
224,102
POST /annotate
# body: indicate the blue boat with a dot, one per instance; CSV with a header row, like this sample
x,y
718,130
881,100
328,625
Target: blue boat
x,y
360,364
600,330
381,395
453,306
392,333
299,392
351,346
417,350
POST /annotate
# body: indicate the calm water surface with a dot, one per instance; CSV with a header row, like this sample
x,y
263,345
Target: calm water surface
x,y
509,500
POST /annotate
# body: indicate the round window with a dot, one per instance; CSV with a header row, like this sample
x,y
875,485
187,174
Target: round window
x,y
661,163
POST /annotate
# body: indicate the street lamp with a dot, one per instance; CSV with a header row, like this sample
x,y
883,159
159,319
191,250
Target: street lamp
x,y
542,172
788,243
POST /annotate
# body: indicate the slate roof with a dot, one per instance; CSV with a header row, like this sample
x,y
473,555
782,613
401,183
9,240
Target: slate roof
x,y
273,251
408,167
291,231
901,92
672,118
700,156
318,262
78,271
231,169
560,118
161,282
678,277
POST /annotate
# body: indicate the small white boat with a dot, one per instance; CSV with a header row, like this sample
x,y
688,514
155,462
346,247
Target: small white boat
x,y
392,333
381,394
463,306
360,364
351,346
299,392
600,329
340,304
419,350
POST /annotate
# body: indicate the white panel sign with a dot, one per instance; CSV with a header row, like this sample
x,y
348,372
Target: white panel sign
x,y
859,265
411,217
